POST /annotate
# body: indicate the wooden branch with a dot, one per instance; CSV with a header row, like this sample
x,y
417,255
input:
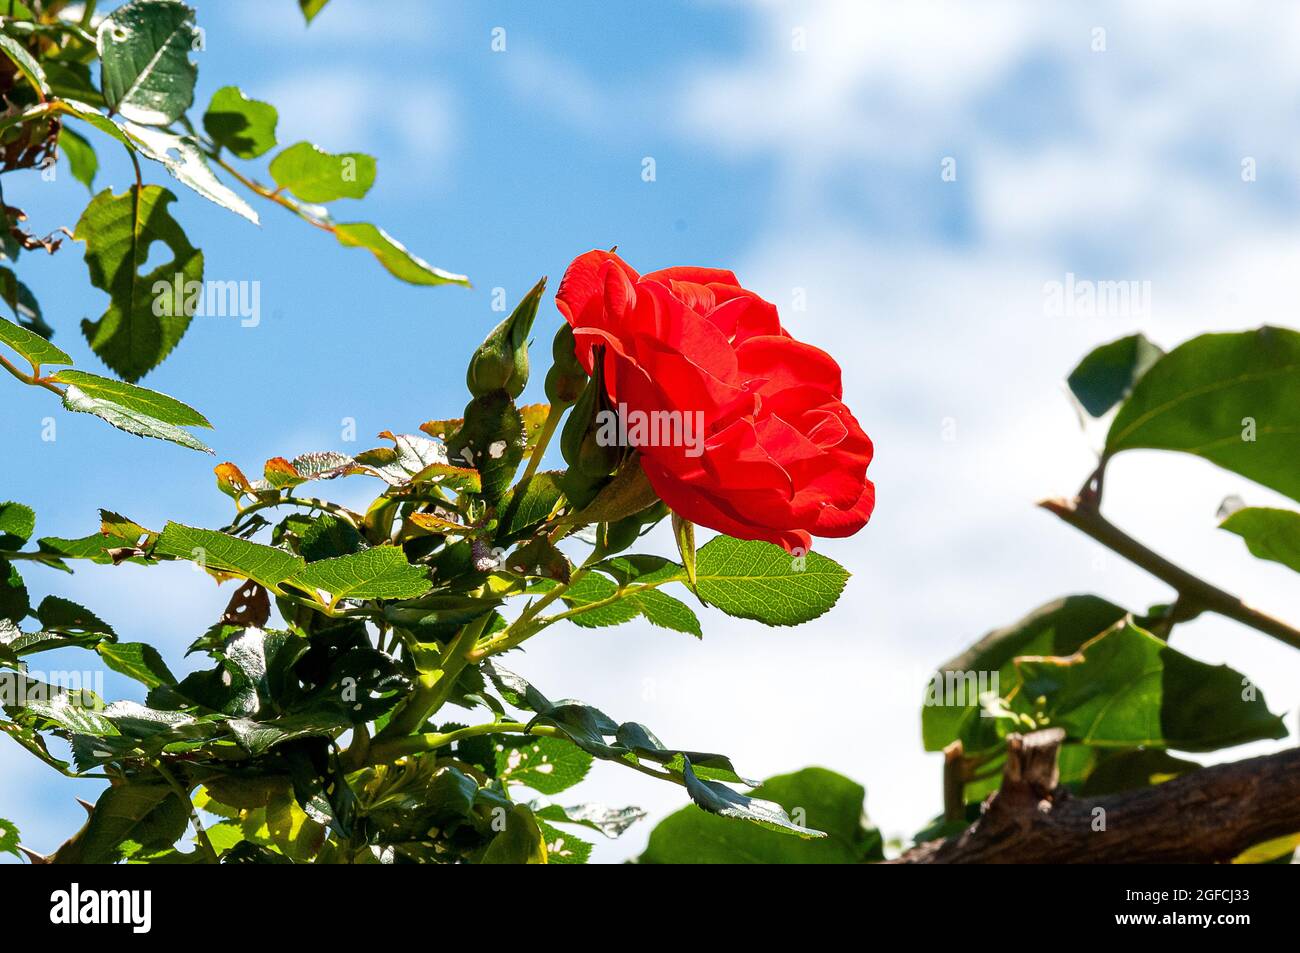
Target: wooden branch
x,y
1194,594
1206,816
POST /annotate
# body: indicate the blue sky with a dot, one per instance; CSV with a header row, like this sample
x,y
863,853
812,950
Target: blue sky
x,y
801,144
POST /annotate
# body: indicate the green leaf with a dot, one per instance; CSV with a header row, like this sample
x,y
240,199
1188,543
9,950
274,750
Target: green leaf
x,y
148,815
137,660
824,799
721,800
529,504
520,843
314,175
663,610
378,573
159,406
410,456
1233,399
1269,533
1127,688
758,580
215,550
593,588
612,822
130,420
26,64
394,256
25,307
34,348
244,126
62,615
17,523
684,534
81,157
547,765
1125,770
952,706
328,537
297,835
182,155
563,847
490,441
311,7
8,838
144,320
14,601
146,72
540,557
589,727
1107,375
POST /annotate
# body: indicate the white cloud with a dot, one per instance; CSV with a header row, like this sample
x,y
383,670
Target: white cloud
x,y
348,110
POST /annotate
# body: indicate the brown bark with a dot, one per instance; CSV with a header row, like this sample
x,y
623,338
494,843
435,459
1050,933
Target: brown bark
x,y
1205,816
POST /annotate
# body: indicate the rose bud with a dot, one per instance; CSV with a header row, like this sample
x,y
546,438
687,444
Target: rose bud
x,y
566,378
580,440
501,362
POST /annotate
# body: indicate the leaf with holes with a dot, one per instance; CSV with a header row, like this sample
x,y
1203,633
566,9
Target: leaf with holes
x,y
147,314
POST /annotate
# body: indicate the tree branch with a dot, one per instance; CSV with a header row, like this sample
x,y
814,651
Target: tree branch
x,y
1205,816
1195,595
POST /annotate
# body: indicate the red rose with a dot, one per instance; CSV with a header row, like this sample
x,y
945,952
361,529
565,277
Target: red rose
x,y
780,457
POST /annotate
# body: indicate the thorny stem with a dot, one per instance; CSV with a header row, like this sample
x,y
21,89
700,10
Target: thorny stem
x,y
1195,595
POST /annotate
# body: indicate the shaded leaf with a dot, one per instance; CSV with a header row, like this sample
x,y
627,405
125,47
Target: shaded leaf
x,y
952,708
520,843
81,157
148,815
144,320
1107,375
244,126
1127,688
721,800
823,799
